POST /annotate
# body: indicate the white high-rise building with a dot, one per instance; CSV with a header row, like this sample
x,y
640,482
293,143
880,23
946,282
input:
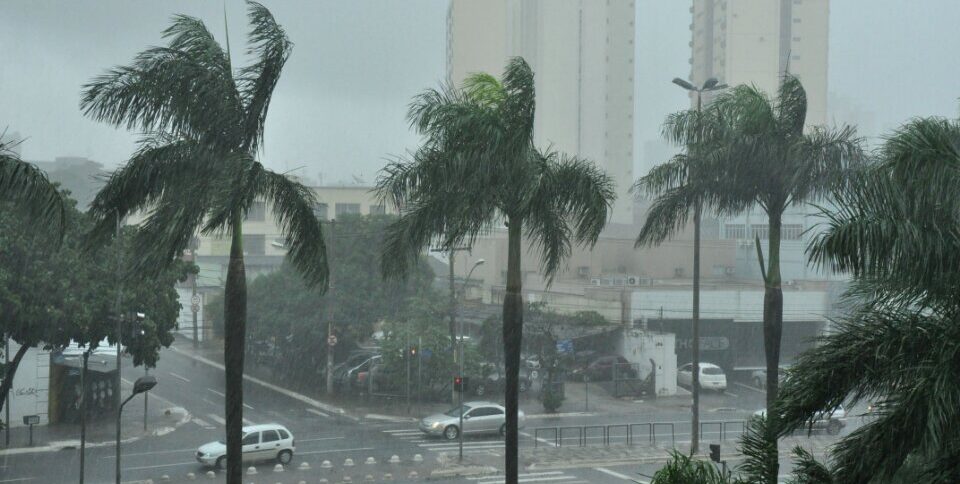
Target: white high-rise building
x,y
582,54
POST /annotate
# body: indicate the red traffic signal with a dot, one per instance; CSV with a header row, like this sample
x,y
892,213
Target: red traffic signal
x,y
459,383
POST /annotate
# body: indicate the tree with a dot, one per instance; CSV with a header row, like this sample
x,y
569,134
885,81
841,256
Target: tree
x,y
196,167
764,158
27,187
477,168
896,229
53,293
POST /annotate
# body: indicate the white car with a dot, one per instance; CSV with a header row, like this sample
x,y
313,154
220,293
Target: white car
x,y
832,422
478,418
260,442
711,376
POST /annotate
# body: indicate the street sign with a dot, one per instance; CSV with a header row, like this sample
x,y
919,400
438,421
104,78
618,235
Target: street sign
x,y
195,308
195,300
565,346
426,353
332,340
31,419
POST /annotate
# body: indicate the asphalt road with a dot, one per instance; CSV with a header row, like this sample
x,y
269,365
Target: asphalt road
x,y
322,435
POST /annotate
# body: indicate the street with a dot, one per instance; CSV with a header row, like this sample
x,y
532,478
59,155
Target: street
x,y
361,446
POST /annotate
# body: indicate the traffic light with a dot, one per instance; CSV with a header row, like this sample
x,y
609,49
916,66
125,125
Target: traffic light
x,y
715,452
413,351
460,383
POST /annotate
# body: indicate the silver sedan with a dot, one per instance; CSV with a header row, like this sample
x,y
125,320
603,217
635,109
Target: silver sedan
x,y
478,418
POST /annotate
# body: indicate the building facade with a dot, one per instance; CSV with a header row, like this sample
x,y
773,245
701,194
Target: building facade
x,y
582,54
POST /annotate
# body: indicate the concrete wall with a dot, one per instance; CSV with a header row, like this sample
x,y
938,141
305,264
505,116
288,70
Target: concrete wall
x,y
31,386
640,347
736,304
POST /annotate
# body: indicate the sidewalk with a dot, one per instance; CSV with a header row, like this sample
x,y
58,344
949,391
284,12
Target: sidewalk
x,y
162,418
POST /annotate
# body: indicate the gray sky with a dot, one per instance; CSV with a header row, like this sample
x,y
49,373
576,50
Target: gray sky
x,y
339,108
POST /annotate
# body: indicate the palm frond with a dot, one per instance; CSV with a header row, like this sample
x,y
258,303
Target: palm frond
x,y
583,194
29,188
271,47
791,106
668,214
519,105
293,206
826,161
185,89
485,89
759,447
807,470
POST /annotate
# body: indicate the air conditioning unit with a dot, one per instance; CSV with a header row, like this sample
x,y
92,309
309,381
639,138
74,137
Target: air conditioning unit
x,y
729,270
633,280
595,281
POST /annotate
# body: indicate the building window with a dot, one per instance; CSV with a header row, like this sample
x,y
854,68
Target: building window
x,y
254,244
257,212
759,230
378,210
734,231
320,211
791,231
347,208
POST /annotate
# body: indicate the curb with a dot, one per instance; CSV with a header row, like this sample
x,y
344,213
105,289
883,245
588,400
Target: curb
x,y
463,471
75,444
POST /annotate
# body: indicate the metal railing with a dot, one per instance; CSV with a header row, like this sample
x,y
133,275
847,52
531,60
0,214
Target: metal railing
x,y
627,433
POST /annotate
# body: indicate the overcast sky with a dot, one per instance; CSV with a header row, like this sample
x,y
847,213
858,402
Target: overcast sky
x,y
339,108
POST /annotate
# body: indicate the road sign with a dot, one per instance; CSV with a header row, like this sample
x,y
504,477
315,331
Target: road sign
x,y
426,353
195,300
31,419
565,346
332,340
195,308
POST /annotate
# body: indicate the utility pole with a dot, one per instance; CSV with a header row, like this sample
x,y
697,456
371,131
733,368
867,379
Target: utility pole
x,y
453,309
193,298
6,364
146,371
119,332
330,336
83,412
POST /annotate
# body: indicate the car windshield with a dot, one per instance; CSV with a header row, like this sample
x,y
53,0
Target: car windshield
x,y
710,370
455,411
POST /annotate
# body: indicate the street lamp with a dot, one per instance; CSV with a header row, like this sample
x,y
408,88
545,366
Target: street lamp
x,y
476,264
142,385
711,84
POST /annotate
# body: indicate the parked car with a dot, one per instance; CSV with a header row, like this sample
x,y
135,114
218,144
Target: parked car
x,y
495,382
759,377
260,443
340,370
606,368
478,418
357,376
711,376
831,421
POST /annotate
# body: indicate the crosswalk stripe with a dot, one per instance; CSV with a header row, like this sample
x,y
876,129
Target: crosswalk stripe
x,y
528,474
533,479
465,448
465,444
613,473
216,418
402,431
317,412
202,423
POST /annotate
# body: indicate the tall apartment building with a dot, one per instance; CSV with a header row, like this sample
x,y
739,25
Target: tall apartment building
x,y
755,41
582,54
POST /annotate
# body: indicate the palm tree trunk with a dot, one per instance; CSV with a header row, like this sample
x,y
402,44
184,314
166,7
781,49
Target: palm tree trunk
x,y
235,319
512,339
695,430
10,373
773,324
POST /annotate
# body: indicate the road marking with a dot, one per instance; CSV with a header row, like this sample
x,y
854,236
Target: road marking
x,y
613,473
748,387
248,407
533,479
734,395
539,439
332,450
529,474
465,444
202,423
247,421
178,377
319,439
216,392
317,412
193,462
402,431
125,454
18,479
216,418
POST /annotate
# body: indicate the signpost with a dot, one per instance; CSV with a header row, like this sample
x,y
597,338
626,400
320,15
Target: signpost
x,y
31,420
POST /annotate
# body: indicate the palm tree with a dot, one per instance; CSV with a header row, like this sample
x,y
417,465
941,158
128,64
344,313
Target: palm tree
x,y
765,158
896,228
679,189
196,168
28,188
478,167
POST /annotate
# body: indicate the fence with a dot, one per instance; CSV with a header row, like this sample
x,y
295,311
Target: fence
x,y
629,433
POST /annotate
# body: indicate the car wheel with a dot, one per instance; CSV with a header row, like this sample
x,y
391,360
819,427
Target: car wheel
x,y
503,430
284,457
221,463
451,432
833,428
480,390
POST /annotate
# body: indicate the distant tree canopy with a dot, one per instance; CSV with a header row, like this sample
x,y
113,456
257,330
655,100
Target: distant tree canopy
x,y
291,319
51,294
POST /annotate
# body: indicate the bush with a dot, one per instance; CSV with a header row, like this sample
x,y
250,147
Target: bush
x,y
551,399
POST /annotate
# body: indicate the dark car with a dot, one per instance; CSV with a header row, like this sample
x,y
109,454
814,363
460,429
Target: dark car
x,y
340,371
495,382
605,368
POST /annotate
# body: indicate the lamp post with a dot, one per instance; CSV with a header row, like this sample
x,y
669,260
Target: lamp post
x,y
476,264
709,85
142,385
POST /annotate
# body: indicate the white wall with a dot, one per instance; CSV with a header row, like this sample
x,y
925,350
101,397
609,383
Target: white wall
x,y
31,386
736,304
639,347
